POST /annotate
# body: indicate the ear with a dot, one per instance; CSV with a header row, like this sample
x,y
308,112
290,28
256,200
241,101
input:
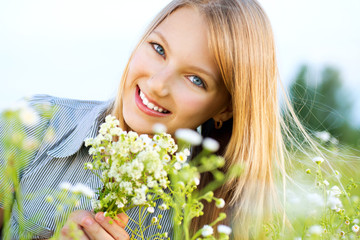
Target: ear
x,y
225,114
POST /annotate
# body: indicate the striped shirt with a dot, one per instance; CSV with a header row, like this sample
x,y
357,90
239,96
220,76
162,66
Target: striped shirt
x,y
60,158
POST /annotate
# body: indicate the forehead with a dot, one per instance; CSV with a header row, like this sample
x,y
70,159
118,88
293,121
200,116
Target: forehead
x,y
186,32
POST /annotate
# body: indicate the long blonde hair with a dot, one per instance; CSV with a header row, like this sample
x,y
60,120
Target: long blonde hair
x,y
243,45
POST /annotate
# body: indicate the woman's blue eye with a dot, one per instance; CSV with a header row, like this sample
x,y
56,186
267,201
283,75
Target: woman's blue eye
x,y
159,49
197,81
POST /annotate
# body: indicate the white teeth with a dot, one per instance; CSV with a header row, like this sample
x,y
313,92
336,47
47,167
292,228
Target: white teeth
x,y
149,104
142,95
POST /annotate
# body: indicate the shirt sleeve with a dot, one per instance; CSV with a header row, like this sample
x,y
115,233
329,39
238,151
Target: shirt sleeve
x,y
21,133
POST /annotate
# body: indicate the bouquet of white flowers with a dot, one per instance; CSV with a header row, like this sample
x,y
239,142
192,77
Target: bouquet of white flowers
x,y
137,170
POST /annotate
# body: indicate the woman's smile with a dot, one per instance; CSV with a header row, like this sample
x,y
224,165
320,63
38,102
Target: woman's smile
x,y
149,106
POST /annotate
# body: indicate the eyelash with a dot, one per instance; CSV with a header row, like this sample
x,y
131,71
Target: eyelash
x,y
155,46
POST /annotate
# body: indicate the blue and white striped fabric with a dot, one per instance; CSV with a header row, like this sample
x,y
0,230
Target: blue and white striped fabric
x,y
59,159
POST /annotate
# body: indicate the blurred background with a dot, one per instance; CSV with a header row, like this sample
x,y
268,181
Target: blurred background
x,y
78,49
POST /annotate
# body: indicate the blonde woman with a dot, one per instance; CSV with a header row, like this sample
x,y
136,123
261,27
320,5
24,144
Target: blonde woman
x,y
208,63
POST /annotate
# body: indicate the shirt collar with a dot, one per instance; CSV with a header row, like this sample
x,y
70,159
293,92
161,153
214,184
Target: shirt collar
x,y
87,127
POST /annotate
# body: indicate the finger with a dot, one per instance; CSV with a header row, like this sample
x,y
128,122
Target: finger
x,y
69,232
115,230
122,219
90,227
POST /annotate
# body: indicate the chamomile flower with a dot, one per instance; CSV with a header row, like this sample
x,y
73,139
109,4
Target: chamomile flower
x,y
28,116
219,203
154,220
315,230
318,160
159,128
210,144
207,231
163,206
224,229
150,209
188,136
65,186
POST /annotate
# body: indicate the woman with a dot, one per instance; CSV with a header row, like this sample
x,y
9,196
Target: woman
x,y
208,63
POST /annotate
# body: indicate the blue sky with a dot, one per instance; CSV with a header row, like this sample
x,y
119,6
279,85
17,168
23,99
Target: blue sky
x,y
78,48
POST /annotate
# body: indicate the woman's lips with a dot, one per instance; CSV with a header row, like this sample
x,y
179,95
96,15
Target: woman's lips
x,y
146,105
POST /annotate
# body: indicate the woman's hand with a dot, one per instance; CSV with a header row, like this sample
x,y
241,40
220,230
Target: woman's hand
x,y
86,225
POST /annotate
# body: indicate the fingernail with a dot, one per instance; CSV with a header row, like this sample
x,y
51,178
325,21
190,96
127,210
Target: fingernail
x,y
100,217
88,222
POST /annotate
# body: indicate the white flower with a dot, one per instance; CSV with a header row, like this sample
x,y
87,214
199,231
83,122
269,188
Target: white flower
x,y
65,186
220,203
83,189
207,231
181,157
318,160
315,230
177,166
181,184
28,116
355,228
197,181
154,220
188,136
30,143
120,204
334,202
210,144
315,198
186,151
89,166
334,191
324,136
163,206
224,229
88,142
356,221
347,222
166,158
96,204
159,128
326,183
151,209
101,149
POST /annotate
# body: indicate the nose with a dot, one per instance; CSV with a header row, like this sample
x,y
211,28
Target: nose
x,y
160,81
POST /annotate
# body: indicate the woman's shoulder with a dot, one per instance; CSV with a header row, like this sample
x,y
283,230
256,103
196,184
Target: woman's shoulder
x,y
44,101
39,114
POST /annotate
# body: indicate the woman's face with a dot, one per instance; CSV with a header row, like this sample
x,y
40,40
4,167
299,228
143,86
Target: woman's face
x,y
173,78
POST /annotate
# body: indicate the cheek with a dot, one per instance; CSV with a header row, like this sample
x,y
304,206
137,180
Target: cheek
x,y
198,105
134,66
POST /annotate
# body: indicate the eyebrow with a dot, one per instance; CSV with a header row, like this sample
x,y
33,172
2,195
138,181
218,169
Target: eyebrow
x,y
195,68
